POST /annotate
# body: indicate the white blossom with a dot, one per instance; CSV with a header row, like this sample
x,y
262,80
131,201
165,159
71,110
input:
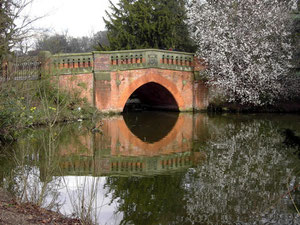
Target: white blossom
x,y
246,44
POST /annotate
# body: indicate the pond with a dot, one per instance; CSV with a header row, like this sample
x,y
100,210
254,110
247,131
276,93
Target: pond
x,y
162,168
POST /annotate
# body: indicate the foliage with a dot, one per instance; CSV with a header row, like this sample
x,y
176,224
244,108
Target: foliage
x,y
148,24
63,43
246,45
12,112
57,43
30,103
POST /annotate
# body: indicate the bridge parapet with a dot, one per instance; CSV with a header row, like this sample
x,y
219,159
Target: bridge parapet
x,y
150,165
77,63
25,68
126,166
151,58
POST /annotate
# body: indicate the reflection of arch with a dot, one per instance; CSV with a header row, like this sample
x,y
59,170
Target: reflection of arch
x,y
171,87
150,126
177,140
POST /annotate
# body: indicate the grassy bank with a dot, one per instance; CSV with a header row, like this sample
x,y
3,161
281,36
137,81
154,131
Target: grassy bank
x,y
25,104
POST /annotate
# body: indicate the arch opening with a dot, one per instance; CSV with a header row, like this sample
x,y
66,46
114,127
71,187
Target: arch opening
x,y
151,96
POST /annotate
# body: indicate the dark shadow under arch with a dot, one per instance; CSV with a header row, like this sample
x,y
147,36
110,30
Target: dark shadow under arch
x,y
151,96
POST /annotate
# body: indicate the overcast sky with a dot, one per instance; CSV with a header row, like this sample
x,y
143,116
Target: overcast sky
x,y
78,17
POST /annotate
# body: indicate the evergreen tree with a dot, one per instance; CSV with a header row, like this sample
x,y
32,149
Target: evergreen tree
x,y
135,24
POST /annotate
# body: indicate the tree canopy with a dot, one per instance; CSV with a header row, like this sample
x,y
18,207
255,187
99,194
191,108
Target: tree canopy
x,y
134,24
64,43
247,46
15,27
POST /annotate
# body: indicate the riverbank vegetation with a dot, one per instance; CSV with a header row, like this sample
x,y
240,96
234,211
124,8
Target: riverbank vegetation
x,y
26,104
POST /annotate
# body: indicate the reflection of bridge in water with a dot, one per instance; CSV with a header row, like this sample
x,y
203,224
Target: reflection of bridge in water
x,y
123,150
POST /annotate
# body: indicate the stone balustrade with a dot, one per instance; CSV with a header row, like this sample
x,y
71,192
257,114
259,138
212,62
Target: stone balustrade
x,y
72,63
151,58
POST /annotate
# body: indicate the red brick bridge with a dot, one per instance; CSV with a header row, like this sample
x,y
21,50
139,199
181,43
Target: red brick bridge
x,y
159,79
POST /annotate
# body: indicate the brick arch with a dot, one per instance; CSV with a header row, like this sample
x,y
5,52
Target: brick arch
x,y
171,87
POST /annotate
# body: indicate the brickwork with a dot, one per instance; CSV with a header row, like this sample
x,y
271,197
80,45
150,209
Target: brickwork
x,y
112,96
171,80
199,64
102,62
81,83
103,95
200,96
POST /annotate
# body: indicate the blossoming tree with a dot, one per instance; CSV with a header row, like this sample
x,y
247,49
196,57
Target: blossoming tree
x,y
246,45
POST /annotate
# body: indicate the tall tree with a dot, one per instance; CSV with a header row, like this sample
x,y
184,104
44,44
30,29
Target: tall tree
x,y
247,46
137,24
15,26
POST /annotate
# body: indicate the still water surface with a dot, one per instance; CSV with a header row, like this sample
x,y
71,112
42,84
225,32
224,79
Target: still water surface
x,y
162,168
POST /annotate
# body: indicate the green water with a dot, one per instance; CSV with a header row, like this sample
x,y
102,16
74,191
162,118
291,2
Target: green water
x,y
162,168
